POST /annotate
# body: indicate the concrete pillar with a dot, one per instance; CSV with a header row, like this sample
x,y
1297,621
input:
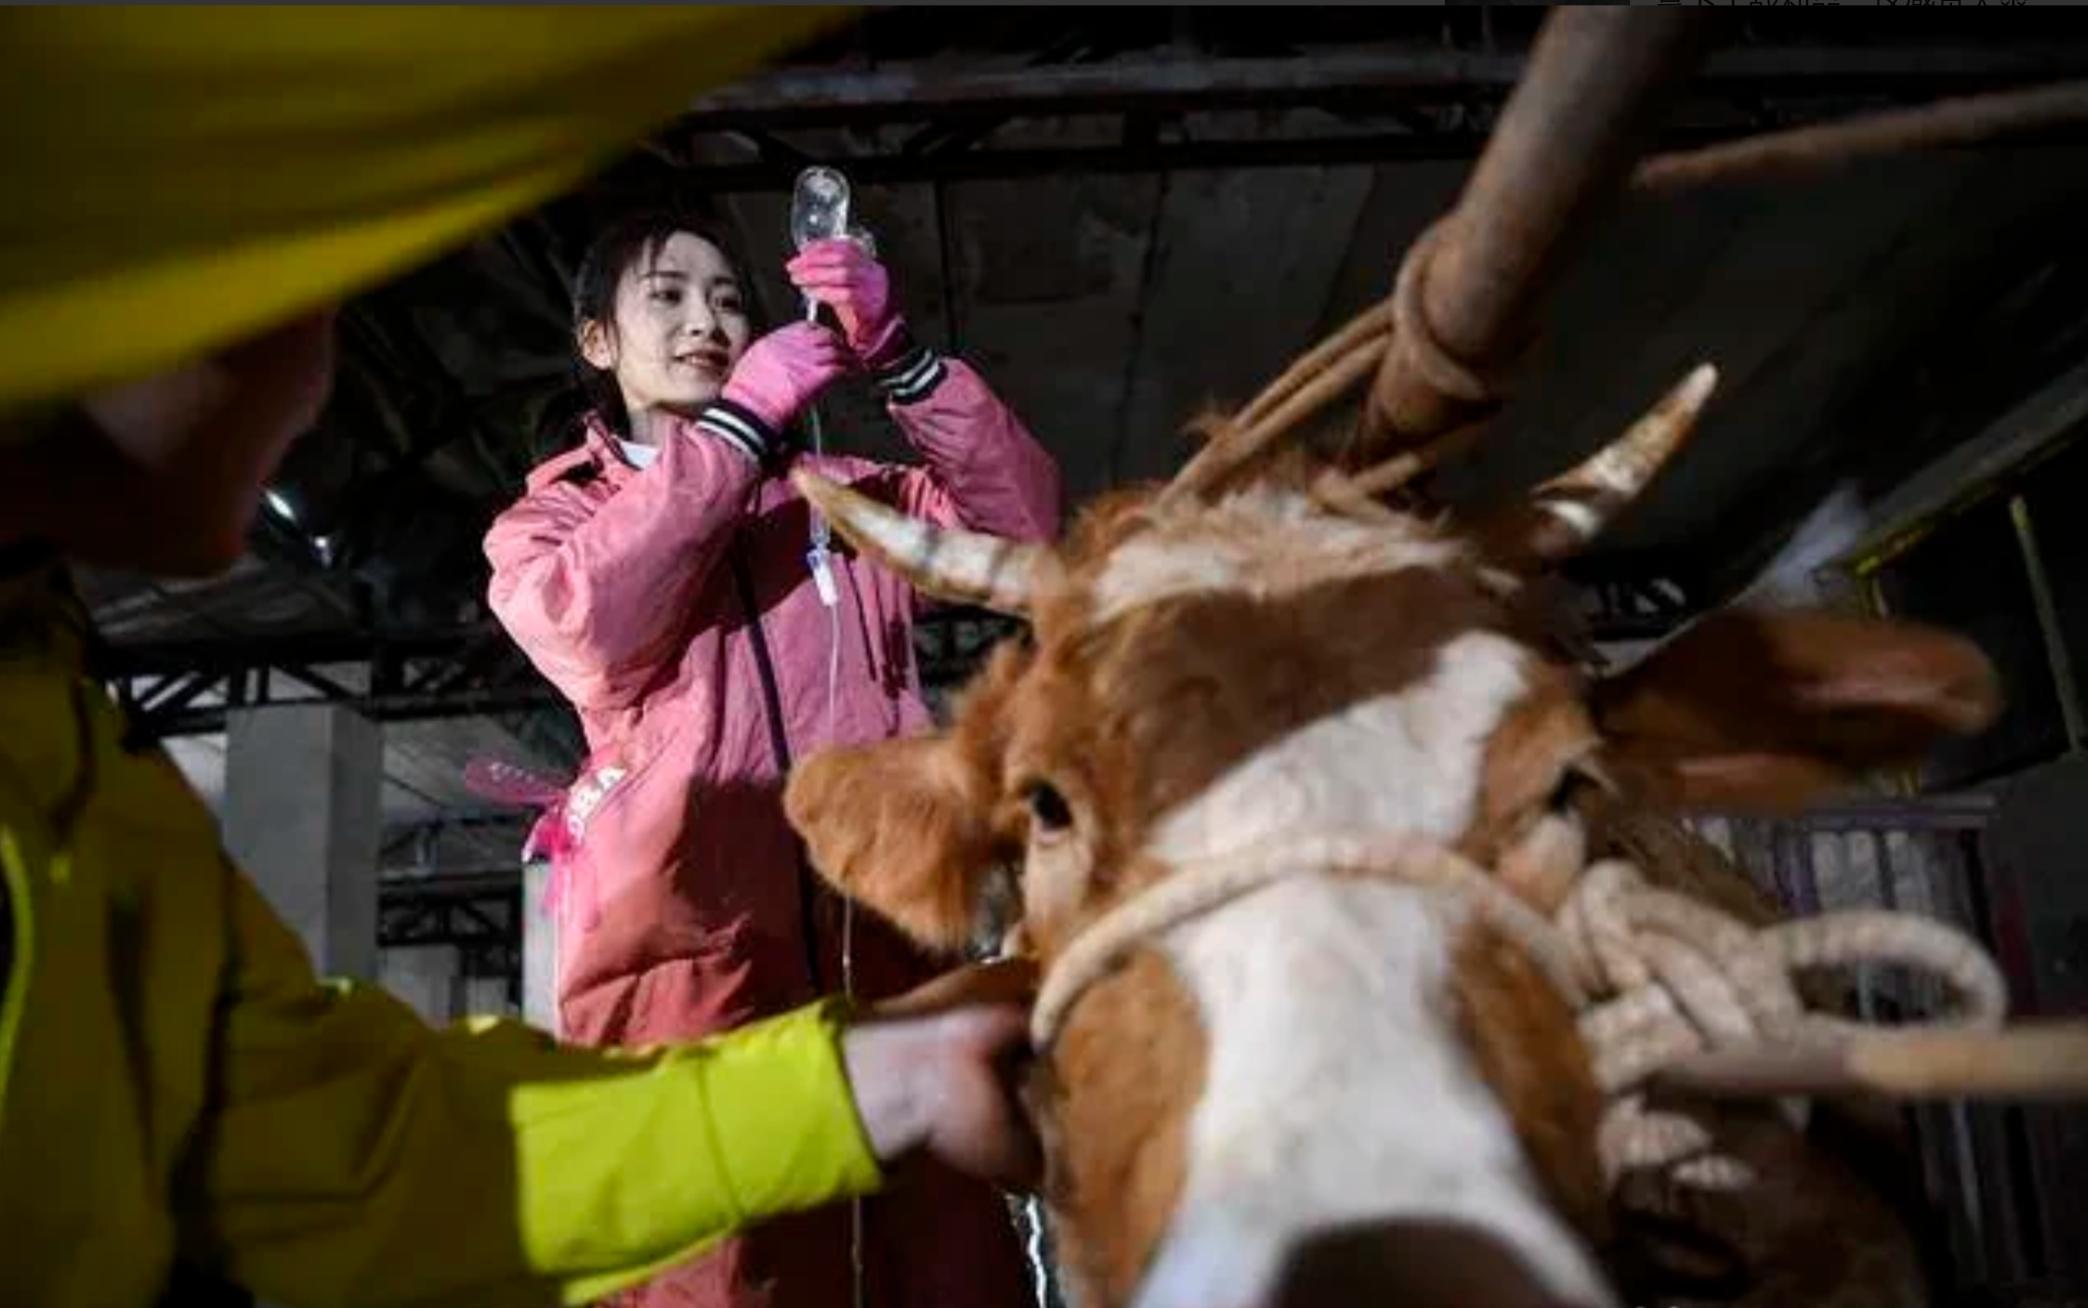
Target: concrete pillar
x,y
301,817
539,951
484,996
425,977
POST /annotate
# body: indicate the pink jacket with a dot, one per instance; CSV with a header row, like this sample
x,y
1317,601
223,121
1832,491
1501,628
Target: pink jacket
x,y
687,906
623,588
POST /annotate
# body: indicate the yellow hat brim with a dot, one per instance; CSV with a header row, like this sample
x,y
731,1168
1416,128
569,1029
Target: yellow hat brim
x,y
183,177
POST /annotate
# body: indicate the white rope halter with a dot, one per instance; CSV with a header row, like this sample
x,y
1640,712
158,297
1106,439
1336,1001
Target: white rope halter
x,y
1656,977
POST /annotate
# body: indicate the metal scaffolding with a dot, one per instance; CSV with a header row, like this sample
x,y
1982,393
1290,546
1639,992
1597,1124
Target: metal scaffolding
x,y
1177,109
185,688
478,911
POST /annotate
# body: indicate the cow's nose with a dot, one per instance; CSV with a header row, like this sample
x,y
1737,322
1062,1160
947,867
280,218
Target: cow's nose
x,y
1414,1264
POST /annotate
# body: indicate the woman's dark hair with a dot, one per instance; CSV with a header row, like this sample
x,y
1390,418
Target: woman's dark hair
x,y
628,240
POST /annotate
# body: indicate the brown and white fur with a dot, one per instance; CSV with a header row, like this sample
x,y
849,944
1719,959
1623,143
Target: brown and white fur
x,y
1334,1089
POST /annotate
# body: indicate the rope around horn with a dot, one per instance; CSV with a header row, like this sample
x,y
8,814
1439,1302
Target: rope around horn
x,y
1654,976
1323,374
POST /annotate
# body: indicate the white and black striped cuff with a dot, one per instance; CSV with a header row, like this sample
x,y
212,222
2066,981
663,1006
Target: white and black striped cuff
x,y
736,425
913,376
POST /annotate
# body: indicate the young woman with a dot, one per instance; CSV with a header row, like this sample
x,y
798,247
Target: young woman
x,y
659,575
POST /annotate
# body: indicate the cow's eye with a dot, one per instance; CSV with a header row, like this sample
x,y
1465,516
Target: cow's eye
x,y
1048,808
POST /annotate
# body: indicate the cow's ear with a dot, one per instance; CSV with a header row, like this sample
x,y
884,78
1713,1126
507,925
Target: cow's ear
x,y
1764,711
902,827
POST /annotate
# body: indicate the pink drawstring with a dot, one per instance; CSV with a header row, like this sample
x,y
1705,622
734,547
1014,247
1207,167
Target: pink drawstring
x,y
551,839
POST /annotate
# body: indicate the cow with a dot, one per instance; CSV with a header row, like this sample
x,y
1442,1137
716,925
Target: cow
x,y
1332,1087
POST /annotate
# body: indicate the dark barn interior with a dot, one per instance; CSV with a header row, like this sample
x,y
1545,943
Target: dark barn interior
x,y
1122,216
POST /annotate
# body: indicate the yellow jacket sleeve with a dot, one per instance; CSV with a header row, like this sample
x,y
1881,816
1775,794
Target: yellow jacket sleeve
x,y
359,1156
174,1079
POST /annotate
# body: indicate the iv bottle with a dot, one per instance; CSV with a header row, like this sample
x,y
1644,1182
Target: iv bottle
x,y
818,206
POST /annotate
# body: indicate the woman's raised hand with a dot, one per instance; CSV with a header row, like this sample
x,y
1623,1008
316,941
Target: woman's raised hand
x,y
849,279
786,370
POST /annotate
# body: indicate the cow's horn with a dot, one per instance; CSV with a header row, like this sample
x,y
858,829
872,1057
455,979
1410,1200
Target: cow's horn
x,y
966,567
1573,508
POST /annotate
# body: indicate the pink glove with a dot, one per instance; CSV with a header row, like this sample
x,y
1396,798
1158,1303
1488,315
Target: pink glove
x,y
841,274
784,371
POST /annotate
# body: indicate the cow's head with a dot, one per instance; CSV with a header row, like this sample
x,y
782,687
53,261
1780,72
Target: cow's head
x,y
1333,1089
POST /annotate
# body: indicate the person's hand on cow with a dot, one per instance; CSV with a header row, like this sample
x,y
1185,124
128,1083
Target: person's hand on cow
x,y
934,1069
786,370
847,278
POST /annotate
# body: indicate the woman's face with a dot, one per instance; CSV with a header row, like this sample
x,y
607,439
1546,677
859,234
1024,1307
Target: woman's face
x,y
681,323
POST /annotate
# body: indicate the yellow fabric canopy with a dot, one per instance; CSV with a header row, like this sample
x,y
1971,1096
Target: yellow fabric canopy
x,y
180,177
